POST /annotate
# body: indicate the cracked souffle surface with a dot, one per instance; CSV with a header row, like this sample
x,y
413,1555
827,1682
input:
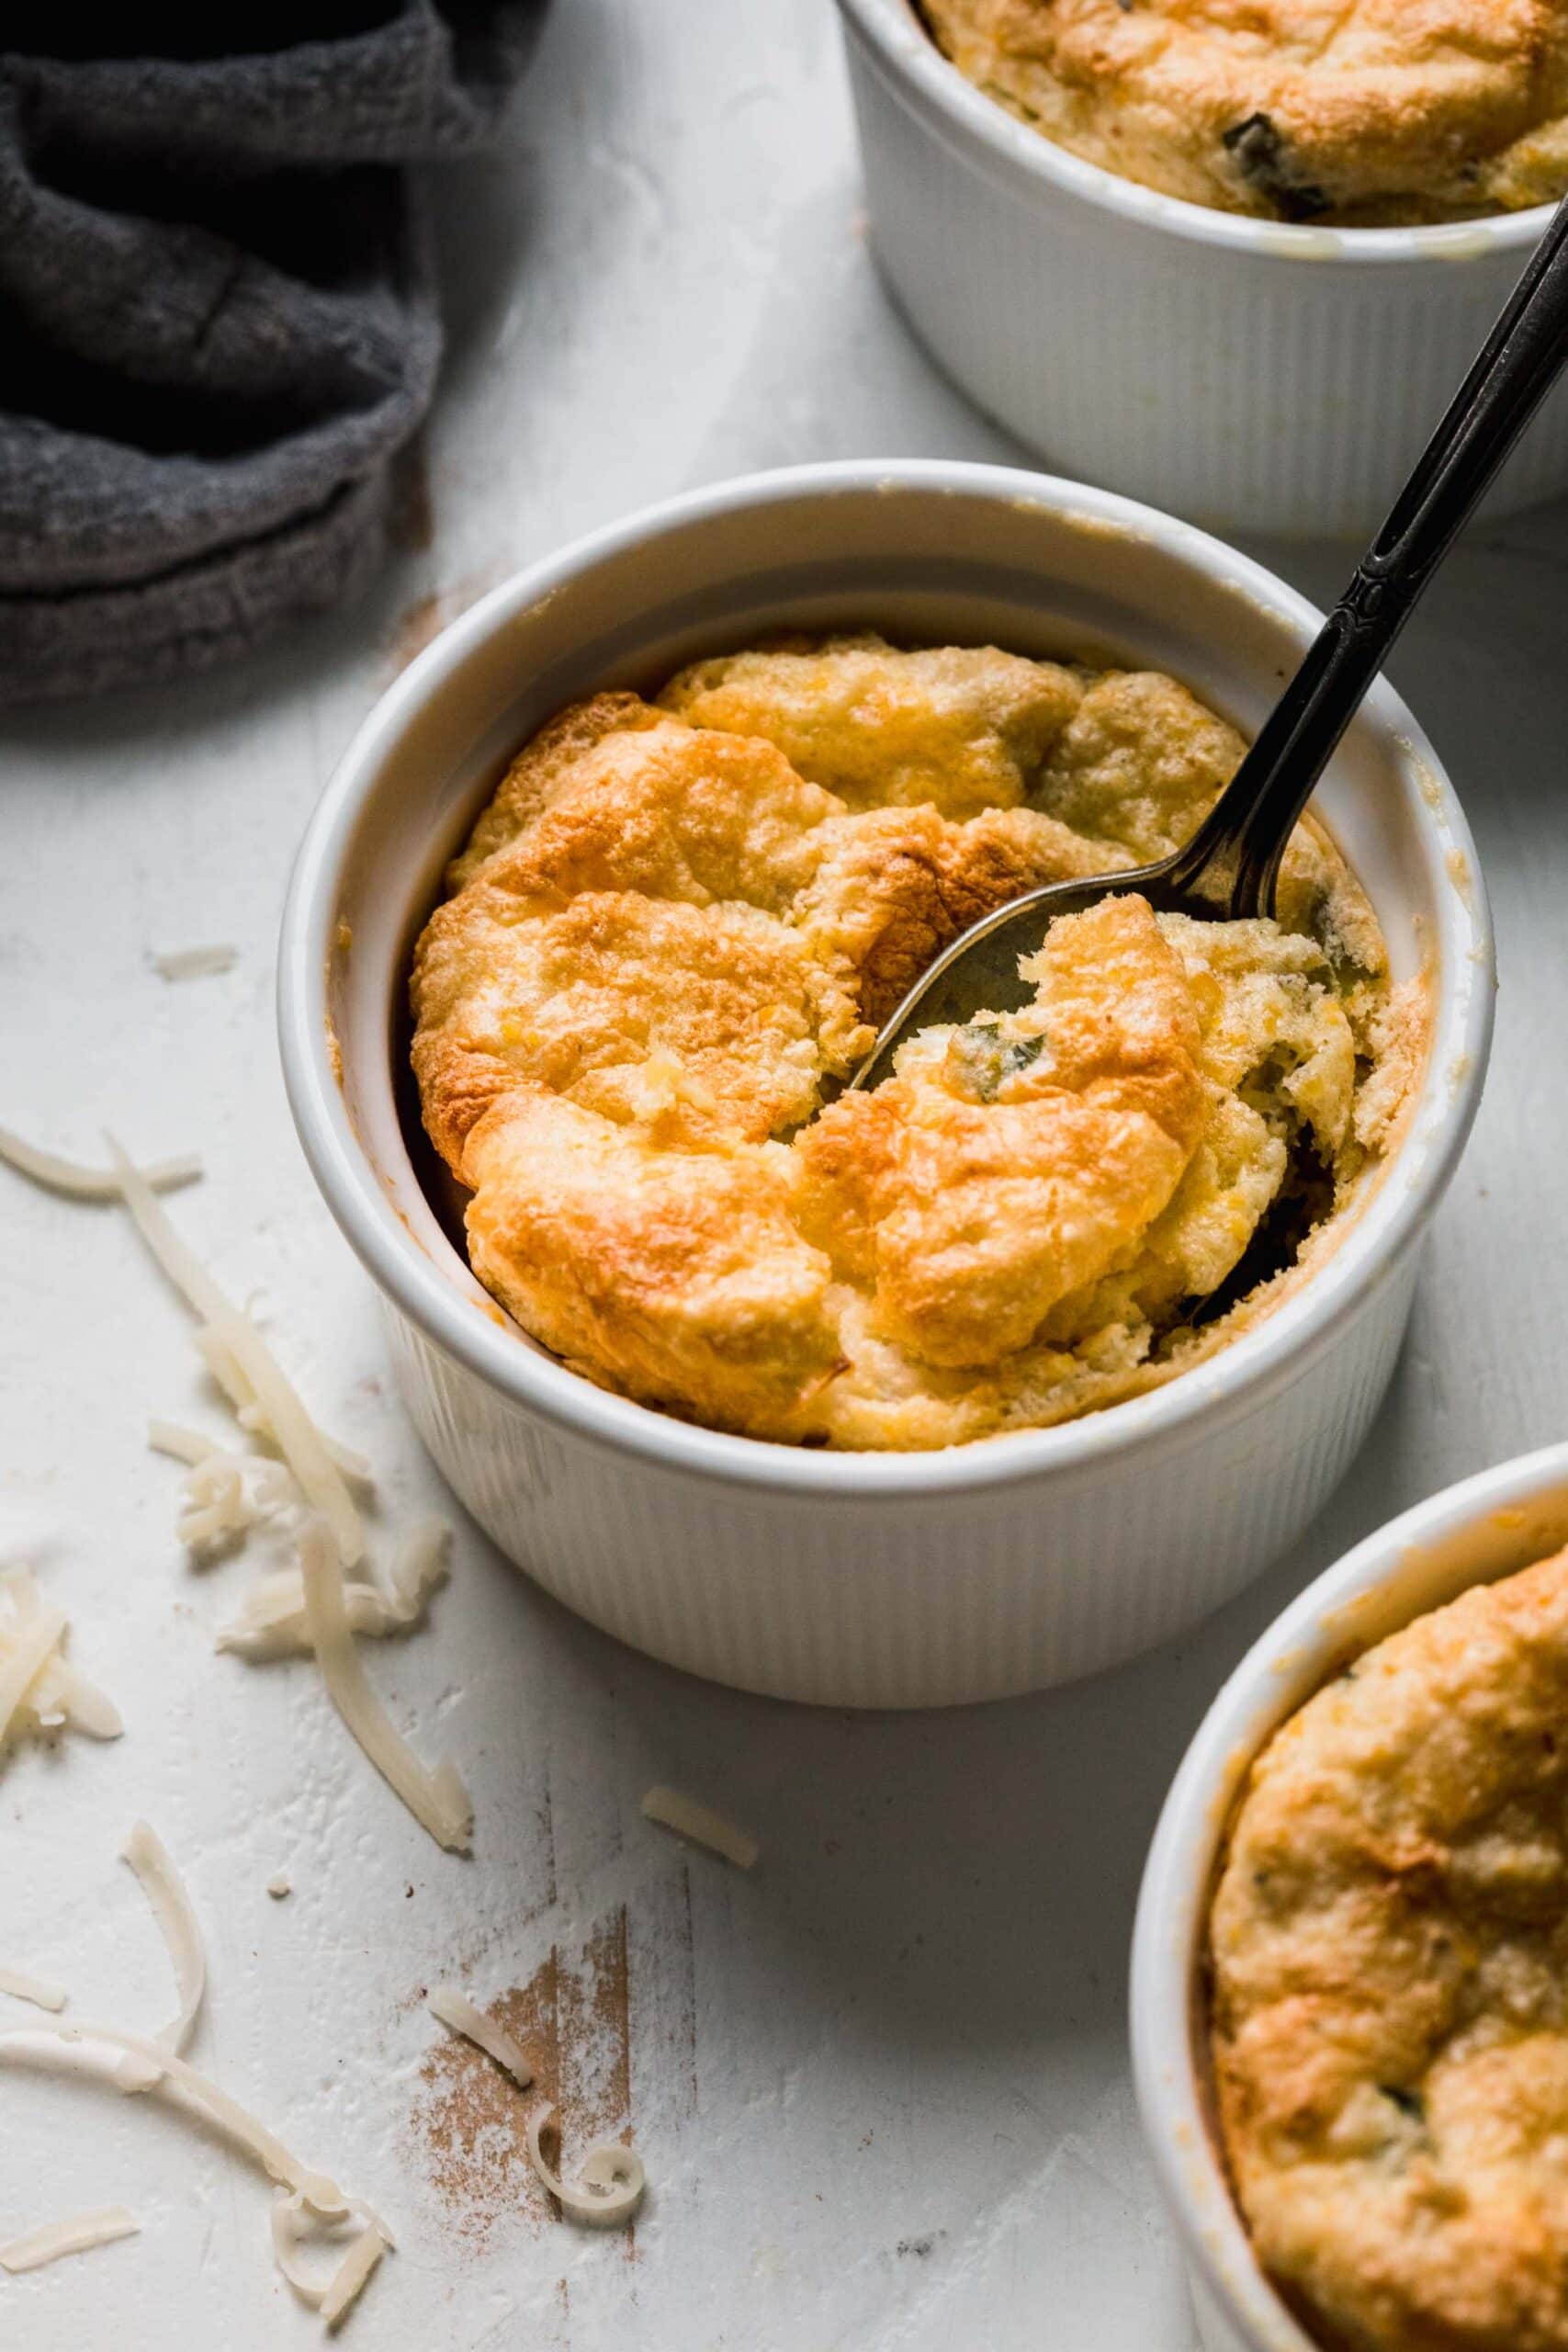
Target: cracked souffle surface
x,y
677,927
1389,1954
1357,112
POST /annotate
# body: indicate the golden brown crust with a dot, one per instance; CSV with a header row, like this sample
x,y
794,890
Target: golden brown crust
x,y
961,728
1372,112
1388,1948
970,1217
620,898
542,766
676,1275
665,942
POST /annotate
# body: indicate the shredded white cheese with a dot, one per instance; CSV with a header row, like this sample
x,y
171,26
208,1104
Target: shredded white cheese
x,y
610,2182
195,963
62,1696
190,1446
293,2220
271,1619
454,2009
40,1691
171,1907
702,1824
33,1629
419,1568
61,1175
351,2276
219,1503
611,2179
216,1504
22,1987
73,2236
225,1494
252,1415
437,1798
282,1416
70,2047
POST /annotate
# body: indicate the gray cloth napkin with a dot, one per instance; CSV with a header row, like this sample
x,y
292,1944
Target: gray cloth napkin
x,y
218,325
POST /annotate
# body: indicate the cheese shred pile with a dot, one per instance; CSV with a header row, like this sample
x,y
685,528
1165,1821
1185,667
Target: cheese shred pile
x,y
298,1609
41,1690
245,1366
271,1620
308,1608
225,1494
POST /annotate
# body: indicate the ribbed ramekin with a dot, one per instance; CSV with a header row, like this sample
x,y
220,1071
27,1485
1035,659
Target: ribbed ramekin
x,y
1246,373
863,1579
1485,1528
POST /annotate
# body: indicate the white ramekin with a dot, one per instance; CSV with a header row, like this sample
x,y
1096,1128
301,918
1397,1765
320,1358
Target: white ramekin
x,y
1244,372
861,1578
1485,1528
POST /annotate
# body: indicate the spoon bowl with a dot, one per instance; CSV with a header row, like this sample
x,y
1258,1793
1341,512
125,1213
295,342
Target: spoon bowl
x,y
979,970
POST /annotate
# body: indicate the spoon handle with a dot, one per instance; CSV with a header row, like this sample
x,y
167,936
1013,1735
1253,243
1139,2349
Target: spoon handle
x,y
1237,849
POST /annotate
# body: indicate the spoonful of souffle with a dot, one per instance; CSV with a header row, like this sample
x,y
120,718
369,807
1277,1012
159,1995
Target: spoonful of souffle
x,y
1227,871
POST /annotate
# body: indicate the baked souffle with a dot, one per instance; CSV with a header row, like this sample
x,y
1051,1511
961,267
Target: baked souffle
x,y
675,931
1389,1953
1367,113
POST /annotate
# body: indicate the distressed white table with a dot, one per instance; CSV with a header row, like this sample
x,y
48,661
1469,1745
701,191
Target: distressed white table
x,y
881,2084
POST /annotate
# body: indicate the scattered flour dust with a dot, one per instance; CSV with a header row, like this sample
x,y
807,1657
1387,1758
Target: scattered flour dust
x,y
573,2020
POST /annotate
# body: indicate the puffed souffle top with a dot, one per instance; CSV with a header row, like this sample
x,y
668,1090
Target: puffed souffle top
x,y
1389,1965
1359,113
672,936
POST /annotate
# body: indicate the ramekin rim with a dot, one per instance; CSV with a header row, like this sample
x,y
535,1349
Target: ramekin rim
x,y
1178,1872
1254,1364
893,29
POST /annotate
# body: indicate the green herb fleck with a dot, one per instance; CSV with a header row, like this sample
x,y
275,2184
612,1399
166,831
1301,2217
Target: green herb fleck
x,y
984,1062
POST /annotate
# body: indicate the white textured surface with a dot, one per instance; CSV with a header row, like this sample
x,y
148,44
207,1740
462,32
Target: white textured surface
x,y
880,2083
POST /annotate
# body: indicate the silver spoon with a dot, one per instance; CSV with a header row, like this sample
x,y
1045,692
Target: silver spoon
x,y
1228,870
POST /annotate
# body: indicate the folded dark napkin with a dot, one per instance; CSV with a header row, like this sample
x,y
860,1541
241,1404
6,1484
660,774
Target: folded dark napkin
x,y
218,325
